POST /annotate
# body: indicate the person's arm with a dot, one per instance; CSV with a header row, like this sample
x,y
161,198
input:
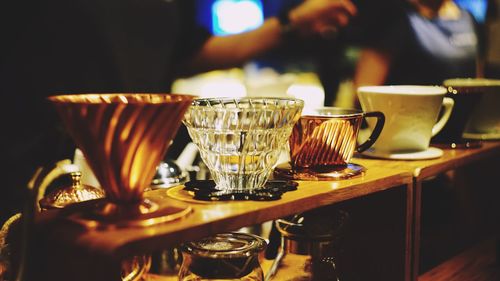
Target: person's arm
x,y
372,67
312,16
371,70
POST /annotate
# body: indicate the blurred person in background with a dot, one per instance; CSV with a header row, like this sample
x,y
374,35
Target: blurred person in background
x,y
69,47
339,55
426,42
492,34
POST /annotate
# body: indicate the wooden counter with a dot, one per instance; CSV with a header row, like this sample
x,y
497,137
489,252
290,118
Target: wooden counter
x,y
451,159
424,169
216,217
477,263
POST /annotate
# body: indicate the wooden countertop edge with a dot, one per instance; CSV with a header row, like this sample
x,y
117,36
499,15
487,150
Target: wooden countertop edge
x,y
260,215
451,159
488,151
121,243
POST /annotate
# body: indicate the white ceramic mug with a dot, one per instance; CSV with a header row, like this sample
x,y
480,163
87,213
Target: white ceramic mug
x,y
411,115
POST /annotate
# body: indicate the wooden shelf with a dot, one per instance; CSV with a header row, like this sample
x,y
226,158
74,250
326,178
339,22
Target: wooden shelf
x,y
216,217
451,159
424,169
478,263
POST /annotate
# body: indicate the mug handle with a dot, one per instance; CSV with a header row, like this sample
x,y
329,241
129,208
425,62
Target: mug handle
x,y
376,131
448,106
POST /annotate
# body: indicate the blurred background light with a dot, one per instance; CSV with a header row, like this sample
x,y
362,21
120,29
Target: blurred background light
x,y
477,8
236,16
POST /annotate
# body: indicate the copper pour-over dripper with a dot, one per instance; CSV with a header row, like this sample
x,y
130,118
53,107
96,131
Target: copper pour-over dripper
x,y
124,137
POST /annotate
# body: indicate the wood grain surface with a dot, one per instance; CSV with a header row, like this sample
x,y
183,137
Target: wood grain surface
x,y
215,217
451,159
478,263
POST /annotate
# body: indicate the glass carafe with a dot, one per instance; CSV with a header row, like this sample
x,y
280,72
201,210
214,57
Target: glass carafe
x,y
308,245
228,256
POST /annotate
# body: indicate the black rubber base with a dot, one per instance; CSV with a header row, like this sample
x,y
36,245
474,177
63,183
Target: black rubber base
x,y
206,190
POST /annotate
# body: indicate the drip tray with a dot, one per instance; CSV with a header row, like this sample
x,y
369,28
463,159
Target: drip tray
x,y
206,190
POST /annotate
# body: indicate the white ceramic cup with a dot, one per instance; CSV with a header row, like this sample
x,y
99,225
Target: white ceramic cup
x,y
411,115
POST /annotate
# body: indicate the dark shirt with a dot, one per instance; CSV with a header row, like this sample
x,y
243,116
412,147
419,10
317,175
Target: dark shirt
x,y
56,46
428,51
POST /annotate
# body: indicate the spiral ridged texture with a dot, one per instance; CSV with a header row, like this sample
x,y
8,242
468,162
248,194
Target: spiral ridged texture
x,y
122,136
240,140
323,141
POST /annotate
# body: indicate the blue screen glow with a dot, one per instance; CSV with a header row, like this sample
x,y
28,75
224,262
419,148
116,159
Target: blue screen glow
x,y
236,16
477,8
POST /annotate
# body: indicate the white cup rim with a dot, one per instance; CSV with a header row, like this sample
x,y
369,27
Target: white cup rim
x,y
404,90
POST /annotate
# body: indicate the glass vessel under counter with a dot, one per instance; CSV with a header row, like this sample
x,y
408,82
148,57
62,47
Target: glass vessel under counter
x,y
308,247
227,256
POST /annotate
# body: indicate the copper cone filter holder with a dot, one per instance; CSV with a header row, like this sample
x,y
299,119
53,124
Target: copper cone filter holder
x,y
124,137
